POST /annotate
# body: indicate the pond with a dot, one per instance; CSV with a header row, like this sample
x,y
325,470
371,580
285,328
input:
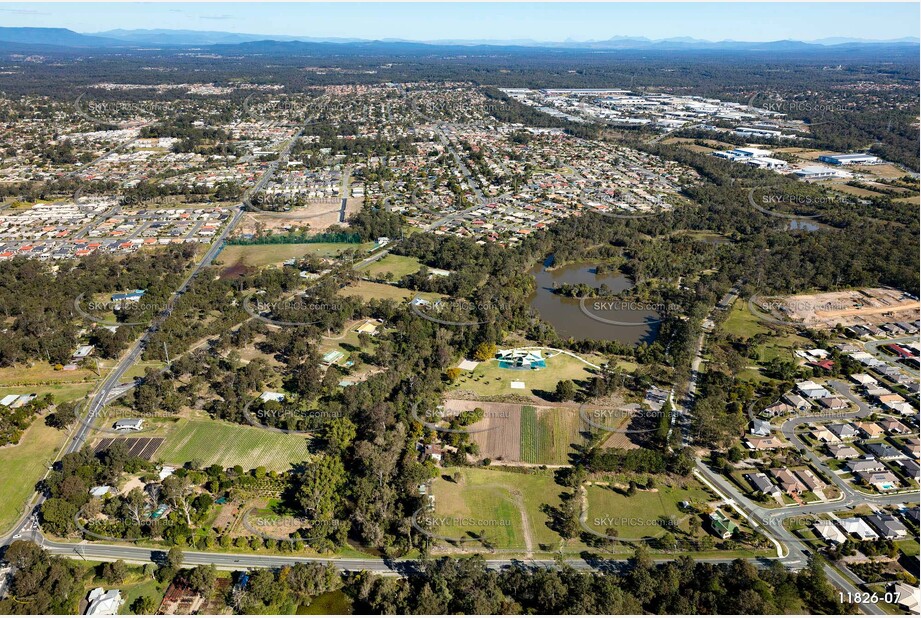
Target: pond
x,y
629,324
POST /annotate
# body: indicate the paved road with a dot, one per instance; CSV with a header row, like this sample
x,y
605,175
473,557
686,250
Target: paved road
x,y
770,522
88,551
788,429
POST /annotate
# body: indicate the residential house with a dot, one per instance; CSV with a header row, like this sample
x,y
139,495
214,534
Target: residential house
x,y
829,531
760,428
910,468
843,451
909,597
890,399
858,528
868,464
797,402
787,481
812,482
864,379
883,451
888,526
902,407
780,408
721,524
764,444
102,603
881,481
811,390
912,446
833,403
844,431
823,435
760,482
869,429
892,426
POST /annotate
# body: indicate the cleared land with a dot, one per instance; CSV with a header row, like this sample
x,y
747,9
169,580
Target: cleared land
x,y
397,265
639,516
23,465
849,307
257,256
502,441
547,435
489,380
41,378
227,444
487,495
319,215
368,290
516,433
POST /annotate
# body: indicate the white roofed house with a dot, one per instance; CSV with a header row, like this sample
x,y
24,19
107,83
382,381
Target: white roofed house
x,y
760,428
858,528
812,390
129,424
864,379
843,451
909,597
829,531
102,603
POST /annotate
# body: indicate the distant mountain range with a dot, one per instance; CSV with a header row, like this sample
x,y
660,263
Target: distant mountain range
x,y
62,37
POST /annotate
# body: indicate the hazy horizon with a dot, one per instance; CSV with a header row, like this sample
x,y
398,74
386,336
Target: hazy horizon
x,y
543,22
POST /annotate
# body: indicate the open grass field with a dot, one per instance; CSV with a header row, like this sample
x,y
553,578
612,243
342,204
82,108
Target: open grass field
x,y
23,465
368,290
63,391
398,265
264,255
329,603
638,516
846,188
143,587
228,444
138,369
487,495
42,378
488,379
741,322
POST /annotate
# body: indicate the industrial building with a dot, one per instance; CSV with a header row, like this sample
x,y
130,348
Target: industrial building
x,y
856,158
817,172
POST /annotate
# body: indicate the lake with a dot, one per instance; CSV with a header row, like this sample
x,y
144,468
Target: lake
x,y
629,324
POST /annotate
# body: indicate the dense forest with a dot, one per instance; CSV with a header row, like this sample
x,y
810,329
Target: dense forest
x,y
683,586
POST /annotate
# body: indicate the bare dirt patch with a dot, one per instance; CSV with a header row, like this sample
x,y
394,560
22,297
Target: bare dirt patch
x,y
850,307
502,441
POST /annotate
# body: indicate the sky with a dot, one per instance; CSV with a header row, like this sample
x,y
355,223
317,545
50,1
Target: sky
x,y
538,21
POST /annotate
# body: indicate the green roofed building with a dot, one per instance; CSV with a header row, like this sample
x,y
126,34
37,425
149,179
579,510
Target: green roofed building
x,y
722,525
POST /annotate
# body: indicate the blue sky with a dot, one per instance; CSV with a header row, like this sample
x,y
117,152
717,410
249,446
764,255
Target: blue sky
x,y
540,21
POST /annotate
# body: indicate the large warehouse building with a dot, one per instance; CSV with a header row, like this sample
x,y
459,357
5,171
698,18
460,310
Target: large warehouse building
x,y
856,158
